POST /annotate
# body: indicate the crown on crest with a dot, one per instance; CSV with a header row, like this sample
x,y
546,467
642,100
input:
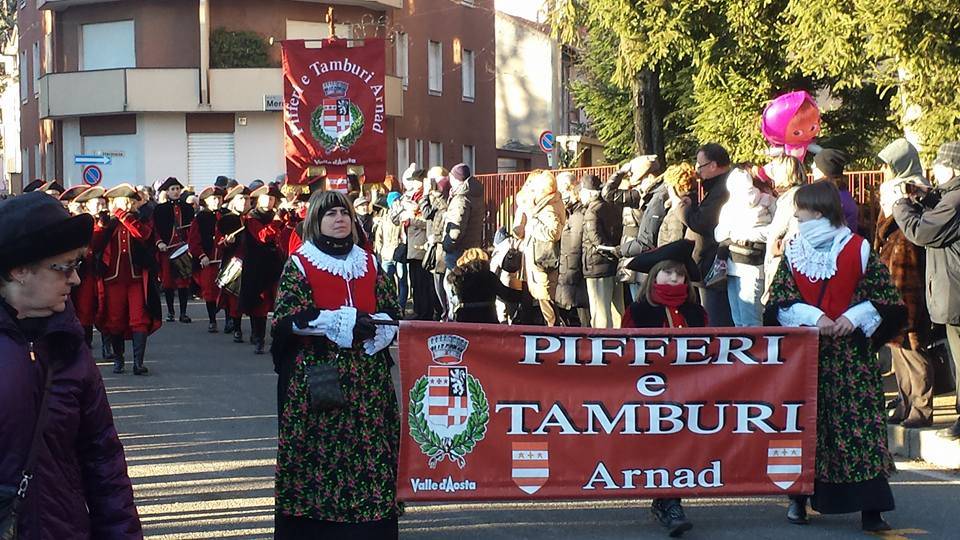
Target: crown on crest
x,y
335,89
447,348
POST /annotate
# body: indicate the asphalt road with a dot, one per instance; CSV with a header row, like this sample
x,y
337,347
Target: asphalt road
x,y
200,438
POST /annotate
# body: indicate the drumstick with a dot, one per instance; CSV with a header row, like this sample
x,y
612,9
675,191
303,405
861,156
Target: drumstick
x,y
234,233
218,261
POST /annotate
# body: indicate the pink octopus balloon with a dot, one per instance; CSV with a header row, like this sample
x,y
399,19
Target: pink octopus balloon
x,y
791,122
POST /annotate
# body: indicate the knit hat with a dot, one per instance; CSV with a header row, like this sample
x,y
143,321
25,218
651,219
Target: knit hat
x,y
35,226
831,161
948,155
460,172
392,197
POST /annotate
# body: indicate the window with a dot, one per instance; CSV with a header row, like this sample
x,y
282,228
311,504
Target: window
x,y
36,68
107,46
24,90
436,154
403,155
419,153
468,75
403,58
435,67
469,157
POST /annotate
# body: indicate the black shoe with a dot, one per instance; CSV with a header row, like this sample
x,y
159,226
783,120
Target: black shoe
x,y
171,317
917,423
139,350
212,328
238,337
140,370
952,432
873,522
118,365
797,511
228,327
259,347
670,514
185,319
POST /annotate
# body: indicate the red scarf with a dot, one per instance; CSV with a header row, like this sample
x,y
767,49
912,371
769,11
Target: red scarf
x,y
669,295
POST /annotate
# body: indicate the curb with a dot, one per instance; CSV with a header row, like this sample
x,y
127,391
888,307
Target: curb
x,y
924,444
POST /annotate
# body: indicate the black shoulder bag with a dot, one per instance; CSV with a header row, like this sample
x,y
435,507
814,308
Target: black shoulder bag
x,y
12,497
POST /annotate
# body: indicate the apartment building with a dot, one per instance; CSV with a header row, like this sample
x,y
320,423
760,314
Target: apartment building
x,y
9,114
149,88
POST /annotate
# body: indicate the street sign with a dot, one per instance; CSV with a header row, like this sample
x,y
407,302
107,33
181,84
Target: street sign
x,y
546,142
92,175
91,159
272,103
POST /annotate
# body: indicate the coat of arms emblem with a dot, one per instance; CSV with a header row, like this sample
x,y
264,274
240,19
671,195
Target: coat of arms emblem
x,y
448,410
531,465
784,463
338,123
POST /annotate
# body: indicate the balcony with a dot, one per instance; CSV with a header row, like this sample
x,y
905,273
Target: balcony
x,y
63,4
246,89
370,4
112,91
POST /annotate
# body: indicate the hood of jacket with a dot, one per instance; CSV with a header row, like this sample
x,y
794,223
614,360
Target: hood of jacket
x,y
471,187
903,158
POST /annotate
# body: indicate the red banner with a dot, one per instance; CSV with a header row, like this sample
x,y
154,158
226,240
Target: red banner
x,y
521,412
334,109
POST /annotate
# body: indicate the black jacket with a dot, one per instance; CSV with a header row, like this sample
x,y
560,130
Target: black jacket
x,y
571,289
602,226
935,225
702,218
477,289
648,233
644,315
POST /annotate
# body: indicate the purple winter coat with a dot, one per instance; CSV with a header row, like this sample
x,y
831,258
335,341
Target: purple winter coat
x,y
851,213
80,488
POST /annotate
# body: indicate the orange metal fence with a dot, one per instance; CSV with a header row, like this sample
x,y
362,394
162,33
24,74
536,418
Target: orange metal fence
x,y
500,189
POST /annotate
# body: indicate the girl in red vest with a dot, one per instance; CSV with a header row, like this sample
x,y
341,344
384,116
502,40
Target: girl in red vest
x,y
829,278
666,300
337,458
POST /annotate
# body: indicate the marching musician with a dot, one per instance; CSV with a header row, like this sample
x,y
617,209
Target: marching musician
x,y
230,231
131,303
206,246
171,221
84,295
69,199
258,285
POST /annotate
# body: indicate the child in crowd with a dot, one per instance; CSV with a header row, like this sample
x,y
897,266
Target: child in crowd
x,y
476,289
830,279
667,300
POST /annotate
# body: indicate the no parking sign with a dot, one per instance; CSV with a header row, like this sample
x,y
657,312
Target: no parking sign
x,y
92,175
546,141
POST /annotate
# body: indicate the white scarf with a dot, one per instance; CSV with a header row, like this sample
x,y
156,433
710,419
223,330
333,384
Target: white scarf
x,y
814,249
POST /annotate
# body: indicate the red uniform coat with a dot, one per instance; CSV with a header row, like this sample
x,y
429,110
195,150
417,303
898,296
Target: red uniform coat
x,y
171,220
205,240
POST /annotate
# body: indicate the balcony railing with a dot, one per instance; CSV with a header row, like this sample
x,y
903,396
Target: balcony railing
x,y
111,91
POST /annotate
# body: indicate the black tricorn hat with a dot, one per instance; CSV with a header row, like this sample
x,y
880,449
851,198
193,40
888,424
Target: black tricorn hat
x,y
35,226
52,185
94,192
237,191
33,186
169,183
72,193
123,190
680,251
212,191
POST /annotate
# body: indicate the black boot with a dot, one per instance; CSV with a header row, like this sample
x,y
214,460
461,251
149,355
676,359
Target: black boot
x,y
118,360
139,349
184,297
797,510
212,316
670,514
259,333
872,521
106,347
228,327
238,330
168,296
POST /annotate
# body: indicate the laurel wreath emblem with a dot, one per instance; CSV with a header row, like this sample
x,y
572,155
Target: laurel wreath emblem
x,y
345,140
460,445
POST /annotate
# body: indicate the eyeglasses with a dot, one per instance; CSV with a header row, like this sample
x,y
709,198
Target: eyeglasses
x,y
67,269
701,165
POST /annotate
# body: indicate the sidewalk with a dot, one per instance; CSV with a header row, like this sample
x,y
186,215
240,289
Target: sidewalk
x,y
924,444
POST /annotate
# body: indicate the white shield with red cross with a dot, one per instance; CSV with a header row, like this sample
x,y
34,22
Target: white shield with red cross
x,y
784,462
531,465
336,116
448,401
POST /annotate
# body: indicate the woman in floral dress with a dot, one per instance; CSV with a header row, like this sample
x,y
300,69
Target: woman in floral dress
x,y
829,278
337,458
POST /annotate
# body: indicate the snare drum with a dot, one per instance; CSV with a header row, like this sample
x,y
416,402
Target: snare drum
x,y
181,263
229,277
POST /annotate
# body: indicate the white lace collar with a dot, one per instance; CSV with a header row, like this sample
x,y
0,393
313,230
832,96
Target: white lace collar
x,y
816,265
352,267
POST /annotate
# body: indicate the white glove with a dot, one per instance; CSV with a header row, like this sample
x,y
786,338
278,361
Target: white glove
x,y
384,337
408,174
336,325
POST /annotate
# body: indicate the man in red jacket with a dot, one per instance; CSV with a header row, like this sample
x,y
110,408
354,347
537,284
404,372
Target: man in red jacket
x,y
206,246
171,220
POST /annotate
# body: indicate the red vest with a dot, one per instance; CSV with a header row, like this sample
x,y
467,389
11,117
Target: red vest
x,y
840,289
334,292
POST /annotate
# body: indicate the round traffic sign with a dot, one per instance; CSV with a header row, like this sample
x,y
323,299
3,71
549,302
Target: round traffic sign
x,y
92,175
546,141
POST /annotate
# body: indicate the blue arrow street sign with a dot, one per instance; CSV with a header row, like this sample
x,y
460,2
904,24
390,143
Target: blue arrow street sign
x,y
91,159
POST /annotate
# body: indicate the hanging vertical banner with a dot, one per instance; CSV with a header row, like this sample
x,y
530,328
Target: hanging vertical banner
x,y
334,109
